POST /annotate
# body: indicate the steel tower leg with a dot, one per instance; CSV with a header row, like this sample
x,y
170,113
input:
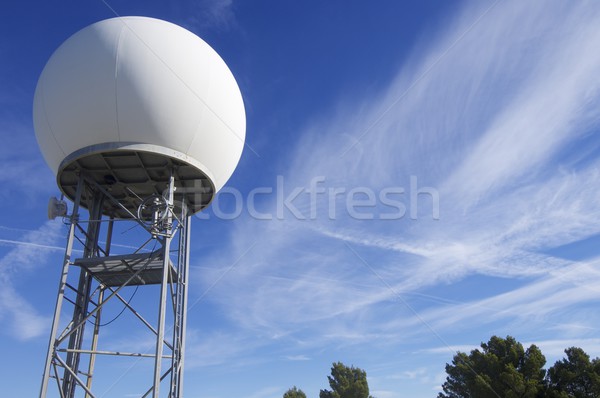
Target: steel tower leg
x,y
180,307
83,296
96,333
61,290
183,285
163,295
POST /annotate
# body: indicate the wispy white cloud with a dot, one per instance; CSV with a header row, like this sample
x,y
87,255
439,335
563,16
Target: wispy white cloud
x,y
546,300
13,242
267,392
213,14
219,348
23,168
24,321
547,109
554,350
496,127
386,394
452,349
413,374
297,358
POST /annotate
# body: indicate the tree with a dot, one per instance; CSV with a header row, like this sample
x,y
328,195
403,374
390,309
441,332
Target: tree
x,y
346,382
502,368
294,393
575,376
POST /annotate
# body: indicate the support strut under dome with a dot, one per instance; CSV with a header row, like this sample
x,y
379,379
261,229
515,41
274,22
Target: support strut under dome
x,y
98,281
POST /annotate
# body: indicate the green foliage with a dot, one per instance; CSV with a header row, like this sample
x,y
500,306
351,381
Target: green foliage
x,y
575,376
294,393
346,382
502,368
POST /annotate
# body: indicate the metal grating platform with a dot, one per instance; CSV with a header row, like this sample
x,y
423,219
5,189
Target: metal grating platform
x,y
133,174
116,270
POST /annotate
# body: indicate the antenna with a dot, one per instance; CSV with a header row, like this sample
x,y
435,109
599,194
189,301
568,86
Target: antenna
x,y
56,208
142,123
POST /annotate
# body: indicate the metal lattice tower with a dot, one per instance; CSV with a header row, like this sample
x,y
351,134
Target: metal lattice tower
x,y
142,123
101,279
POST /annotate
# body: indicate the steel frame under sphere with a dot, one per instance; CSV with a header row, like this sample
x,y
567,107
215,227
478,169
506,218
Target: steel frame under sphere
x,y
98,279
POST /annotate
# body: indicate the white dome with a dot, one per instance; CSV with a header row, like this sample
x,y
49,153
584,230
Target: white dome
x,y
144,85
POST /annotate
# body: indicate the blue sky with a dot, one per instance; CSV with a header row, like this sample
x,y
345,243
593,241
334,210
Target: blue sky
x,y
486,111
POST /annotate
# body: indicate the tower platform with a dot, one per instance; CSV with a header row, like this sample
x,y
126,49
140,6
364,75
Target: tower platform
x,y
116,270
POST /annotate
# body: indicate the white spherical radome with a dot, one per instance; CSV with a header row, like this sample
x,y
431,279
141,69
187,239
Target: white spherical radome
x,y
141,86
